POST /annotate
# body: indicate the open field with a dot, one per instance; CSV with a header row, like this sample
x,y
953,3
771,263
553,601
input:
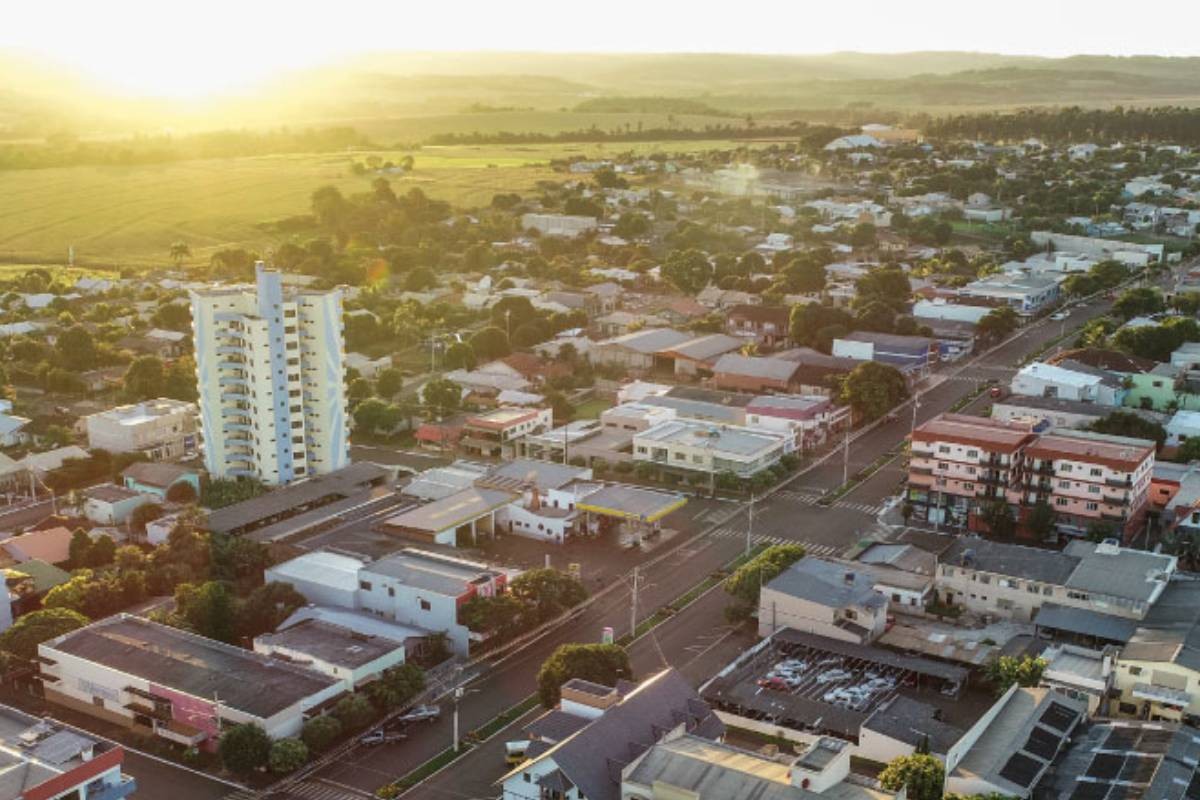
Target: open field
x,y
130,216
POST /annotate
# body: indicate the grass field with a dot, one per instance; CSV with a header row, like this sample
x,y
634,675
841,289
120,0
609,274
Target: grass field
x,y
130,216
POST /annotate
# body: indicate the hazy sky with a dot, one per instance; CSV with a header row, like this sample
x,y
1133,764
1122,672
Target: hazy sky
x,y
188,48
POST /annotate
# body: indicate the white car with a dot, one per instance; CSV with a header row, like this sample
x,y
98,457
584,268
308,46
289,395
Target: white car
x,y
1060,315
831,675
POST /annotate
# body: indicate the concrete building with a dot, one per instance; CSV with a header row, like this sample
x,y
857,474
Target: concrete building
x,y
913,354
636,351
156,480
1015,581
1157,673
809,420
41,759
566,225
494,434
766,326
824,597
270,368
1048,380
412,587
161,430
111,505
692,447
162,681
353,658
1026,294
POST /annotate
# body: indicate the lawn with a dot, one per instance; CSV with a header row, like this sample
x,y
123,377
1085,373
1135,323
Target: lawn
x,y
130,216
591,409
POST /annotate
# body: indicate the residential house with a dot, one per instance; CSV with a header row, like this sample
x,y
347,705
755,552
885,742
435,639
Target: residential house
x,y
809,420
51,545
583,747
565,225
695,448
366,366
1040,379
111,505
827,598
156,480
756,374
494,434
766,326
1051,413
1015,581
619,323
1157,673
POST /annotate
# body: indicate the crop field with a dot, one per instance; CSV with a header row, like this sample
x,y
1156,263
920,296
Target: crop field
x,y
130,216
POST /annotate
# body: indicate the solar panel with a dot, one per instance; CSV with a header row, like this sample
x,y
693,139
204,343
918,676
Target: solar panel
x,y
1155,742
1139,769
1058,717
1089,790
1105,766
1042,743
1126,792
1122,739
1021,770
1193,789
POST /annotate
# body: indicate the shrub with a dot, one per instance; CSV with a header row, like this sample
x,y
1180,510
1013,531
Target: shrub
x,y
354,711
244,748
320,732
288,755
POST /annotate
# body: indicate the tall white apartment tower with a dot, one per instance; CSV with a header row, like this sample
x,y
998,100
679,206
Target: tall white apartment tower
x,y
269,365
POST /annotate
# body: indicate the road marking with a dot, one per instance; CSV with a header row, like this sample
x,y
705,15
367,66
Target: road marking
x,y
811,547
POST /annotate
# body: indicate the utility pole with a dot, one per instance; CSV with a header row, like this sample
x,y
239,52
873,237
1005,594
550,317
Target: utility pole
x,y
458,694
916,405
633,605
846,457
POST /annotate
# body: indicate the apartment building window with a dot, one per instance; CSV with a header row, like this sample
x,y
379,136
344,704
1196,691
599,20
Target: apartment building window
x,y
1032,588
364,585
1060,501
984,578
425,605
1047,590
1135,670
697,459
948,572
970,487
972,454
681,456
1095,472
391,591
943,449
1064,484
297,424
1065,467
1077,595
943,465
1093,506
1094,490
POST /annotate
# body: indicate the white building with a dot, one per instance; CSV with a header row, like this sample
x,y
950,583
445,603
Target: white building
x,y
1049,380
162,429
699,447
566,225
824,597
347,655
270,372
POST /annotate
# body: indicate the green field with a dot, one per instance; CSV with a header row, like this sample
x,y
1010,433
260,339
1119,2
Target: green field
x,y
130,216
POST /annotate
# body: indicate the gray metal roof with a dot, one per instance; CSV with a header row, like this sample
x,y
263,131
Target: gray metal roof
x,y
706,348
544,474
921,666
295,497
1171,631
755,367
650,340
706,769
912,722
1084,622
593,757
555,725
828,583
430,571
451,511
1134,574
203,668
1012,560
331,643
1124,759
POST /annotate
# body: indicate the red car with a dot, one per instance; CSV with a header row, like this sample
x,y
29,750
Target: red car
x,y
778,684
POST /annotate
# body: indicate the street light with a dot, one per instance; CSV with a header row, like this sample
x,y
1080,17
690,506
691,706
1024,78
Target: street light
x,y
459,694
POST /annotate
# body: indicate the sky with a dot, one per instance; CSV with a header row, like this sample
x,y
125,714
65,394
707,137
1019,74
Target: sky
x,y
173,48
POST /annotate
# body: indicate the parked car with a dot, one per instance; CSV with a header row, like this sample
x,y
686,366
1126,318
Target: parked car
x,y
376,738
420,714
1060,315
514,752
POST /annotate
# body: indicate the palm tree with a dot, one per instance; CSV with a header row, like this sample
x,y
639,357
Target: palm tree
x,y
180,251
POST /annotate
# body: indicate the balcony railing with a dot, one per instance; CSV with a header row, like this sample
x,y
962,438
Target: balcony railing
x,y
1122,482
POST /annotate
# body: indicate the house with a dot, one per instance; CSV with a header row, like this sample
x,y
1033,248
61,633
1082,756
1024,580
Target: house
x,y
809,420
564,225
41,758
1157,672
411,587
161,429
597,732
911,354
636,351
902,725
766,326
828,598
166,682
51,545
111,505
366,366
494,433
156,479
816,372
1014,581
681,311
619,323
342,653
1051,413
13,429
1162,388
486,382
1184,425
939,309
690,447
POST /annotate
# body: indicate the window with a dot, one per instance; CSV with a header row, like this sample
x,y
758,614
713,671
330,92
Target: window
x,y
1095,472
943,449
895,597
943,465
1093,506
364,585
948,572
985,579
1135,670
1047,590
972,454
1093,490
425,605
970,487
1060,501
1066,467
98,702
391,591
1064,484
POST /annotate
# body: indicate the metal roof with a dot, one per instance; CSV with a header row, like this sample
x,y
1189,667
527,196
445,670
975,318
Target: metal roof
x,y
828,583
631,502
451,511
1012,560
1084,622
431,571
295,496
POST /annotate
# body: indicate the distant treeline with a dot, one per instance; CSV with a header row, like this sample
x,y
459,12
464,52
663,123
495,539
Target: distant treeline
x,y
1163,124
815,135
66,151
649,105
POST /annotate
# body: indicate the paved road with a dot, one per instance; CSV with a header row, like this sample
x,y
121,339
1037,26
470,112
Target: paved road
x,y
789,515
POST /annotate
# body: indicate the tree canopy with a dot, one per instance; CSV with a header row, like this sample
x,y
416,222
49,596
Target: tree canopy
x,y
872,389
922,774
600,663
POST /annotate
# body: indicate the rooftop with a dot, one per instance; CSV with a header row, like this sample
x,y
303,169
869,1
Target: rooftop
x,y
1115,452
545,475
828,583
320,566
631,502
1120,760
107,493
502,418
704,348
1171,630
721,438
332,644
989,434
755,367
1015,560
203,668
444,575
913,722
649,340
146,411
156,473
451,511
1053,373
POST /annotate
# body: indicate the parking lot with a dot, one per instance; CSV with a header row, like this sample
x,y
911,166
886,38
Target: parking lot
x,y
843,681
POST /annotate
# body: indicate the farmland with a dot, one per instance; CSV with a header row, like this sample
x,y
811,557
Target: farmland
x,y
130,216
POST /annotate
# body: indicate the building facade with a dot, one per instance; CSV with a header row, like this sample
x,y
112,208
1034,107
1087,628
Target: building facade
x,y
271,376
161,429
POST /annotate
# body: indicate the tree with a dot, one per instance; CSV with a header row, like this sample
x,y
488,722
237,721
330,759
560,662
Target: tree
x,y
354,711
560,407
502,615
997,325
688,270
179,380
31,629
600,663
244,748
490,343
266,608
510,313
1040,520
396,686
172,316
180,251
102,552
1004,671
872,389
79,548
390,381
76,349
632,225
863,235
547,592
419,280
143,514
441,396
747,581
182,492
207,608
923,776
145,378
1137,302
287,755
888,285
1127,423
358,390
460,355
320,732
999,519
1189,451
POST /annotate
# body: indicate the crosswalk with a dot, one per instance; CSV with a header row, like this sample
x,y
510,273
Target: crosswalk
x,y
810,547
806,498
304,790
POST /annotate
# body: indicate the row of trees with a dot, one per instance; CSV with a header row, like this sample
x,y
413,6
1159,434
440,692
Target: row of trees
x,y
534,597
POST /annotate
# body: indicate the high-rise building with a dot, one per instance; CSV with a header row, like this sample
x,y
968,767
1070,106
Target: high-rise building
x,y
270,373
